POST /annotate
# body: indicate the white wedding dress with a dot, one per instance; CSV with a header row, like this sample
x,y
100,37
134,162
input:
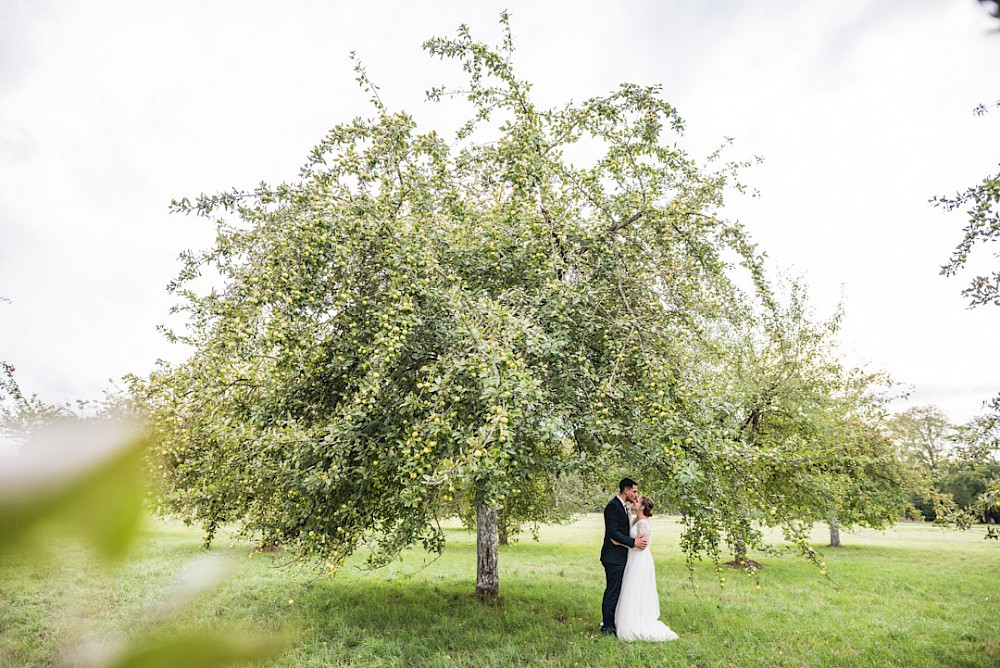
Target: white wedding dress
x,y
637,616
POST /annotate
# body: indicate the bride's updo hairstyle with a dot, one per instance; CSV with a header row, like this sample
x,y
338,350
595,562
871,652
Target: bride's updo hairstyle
x,y
647,505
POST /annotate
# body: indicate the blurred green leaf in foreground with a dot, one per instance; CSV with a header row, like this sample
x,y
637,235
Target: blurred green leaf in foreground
x,y
85,477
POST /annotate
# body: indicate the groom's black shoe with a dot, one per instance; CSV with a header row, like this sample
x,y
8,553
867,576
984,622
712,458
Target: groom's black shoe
x,y
608,631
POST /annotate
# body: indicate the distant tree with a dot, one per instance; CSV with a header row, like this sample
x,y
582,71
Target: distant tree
x,y
926,436
871,484
967,482
22,417
927,441
788,392
986,447
952,465
19,420
979,439
989,505
974,478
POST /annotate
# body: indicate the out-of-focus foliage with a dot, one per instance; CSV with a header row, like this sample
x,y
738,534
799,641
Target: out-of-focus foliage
x,y
206,648
85,477
995,13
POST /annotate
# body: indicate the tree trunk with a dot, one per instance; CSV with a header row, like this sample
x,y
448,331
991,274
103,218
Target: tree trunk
x,y
740,559
487,571
834,532
741,554
502,529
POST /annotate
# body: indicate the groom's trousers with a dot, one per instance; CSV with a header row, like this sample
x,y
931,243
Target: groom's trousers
x,y
613,589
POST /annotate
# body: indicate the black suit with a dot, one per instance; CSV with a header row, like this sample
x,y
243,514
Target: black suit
x,y
616,526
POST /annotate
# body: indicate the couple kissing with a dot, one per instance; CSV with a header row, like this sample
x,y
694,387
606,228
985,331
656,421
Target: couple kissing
x,y
631,605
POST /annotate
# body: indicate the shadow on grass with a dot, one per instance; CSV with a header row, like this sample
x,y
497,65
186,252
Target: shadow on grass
x,y
421,623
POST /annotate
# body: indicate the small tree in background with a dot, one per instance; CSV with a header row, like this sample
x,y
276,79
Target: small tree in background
x,y
926,436
972,475
28,415
800,433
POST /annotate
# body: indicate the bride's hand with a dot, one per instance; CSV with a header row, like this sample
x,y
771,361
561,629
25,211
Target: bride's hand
x,y
615,542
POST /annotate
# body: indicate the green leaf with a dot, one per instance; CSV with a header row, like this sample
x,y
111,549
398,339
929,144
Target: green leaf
x,y
199,649
86,474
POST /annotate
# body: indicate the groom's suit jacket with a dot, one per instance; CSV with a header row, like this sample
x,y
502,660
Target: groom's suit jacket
x,y
616,526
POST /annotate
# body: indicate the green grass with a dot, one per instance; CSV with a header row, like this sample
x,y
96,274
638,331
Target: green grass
x,y
912,596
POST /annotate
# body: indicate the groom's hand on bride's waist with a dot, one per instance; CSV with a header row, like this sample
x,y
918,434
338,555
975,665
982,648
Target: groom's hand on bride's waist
x,y
640,543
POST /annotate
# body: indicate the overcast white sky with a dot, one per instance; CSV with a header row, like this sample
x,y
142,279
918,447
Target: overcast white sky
x,y
862,110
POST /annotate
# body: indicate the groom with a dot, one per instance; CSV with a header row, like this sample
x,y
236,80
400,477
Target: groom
x,y
616,528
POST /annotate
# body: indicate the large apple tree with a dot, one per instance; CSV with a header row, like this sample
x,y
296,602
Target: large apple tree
x,y
420,318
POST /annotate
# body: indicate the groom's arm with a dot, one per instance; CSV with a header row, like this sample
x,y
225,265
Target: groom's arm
x,y
615,534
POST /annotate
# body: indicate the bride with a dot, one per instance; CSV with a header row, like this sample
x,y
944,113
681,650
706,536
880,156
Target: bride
x,y
638,612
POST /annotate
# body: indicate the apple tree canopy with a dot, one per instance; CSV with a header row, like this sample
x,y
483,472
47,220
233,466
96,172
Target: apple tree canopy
x,y
419,319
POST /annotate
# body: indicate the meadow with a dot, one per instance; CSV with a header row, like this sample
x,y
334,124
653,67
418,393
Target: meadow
x,y
914,595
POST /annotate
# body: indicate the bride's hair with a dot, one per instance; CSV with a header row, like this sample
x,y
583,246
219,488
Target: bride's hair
x,y
647,505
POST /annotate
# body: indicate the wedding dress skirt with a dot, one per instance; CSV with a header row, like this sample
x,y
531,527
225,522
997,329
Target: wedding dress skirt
x,y
637,616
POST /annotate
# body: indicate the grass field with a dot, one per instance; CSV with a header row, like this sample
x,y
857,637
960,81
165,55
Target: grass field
x,y
912,596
